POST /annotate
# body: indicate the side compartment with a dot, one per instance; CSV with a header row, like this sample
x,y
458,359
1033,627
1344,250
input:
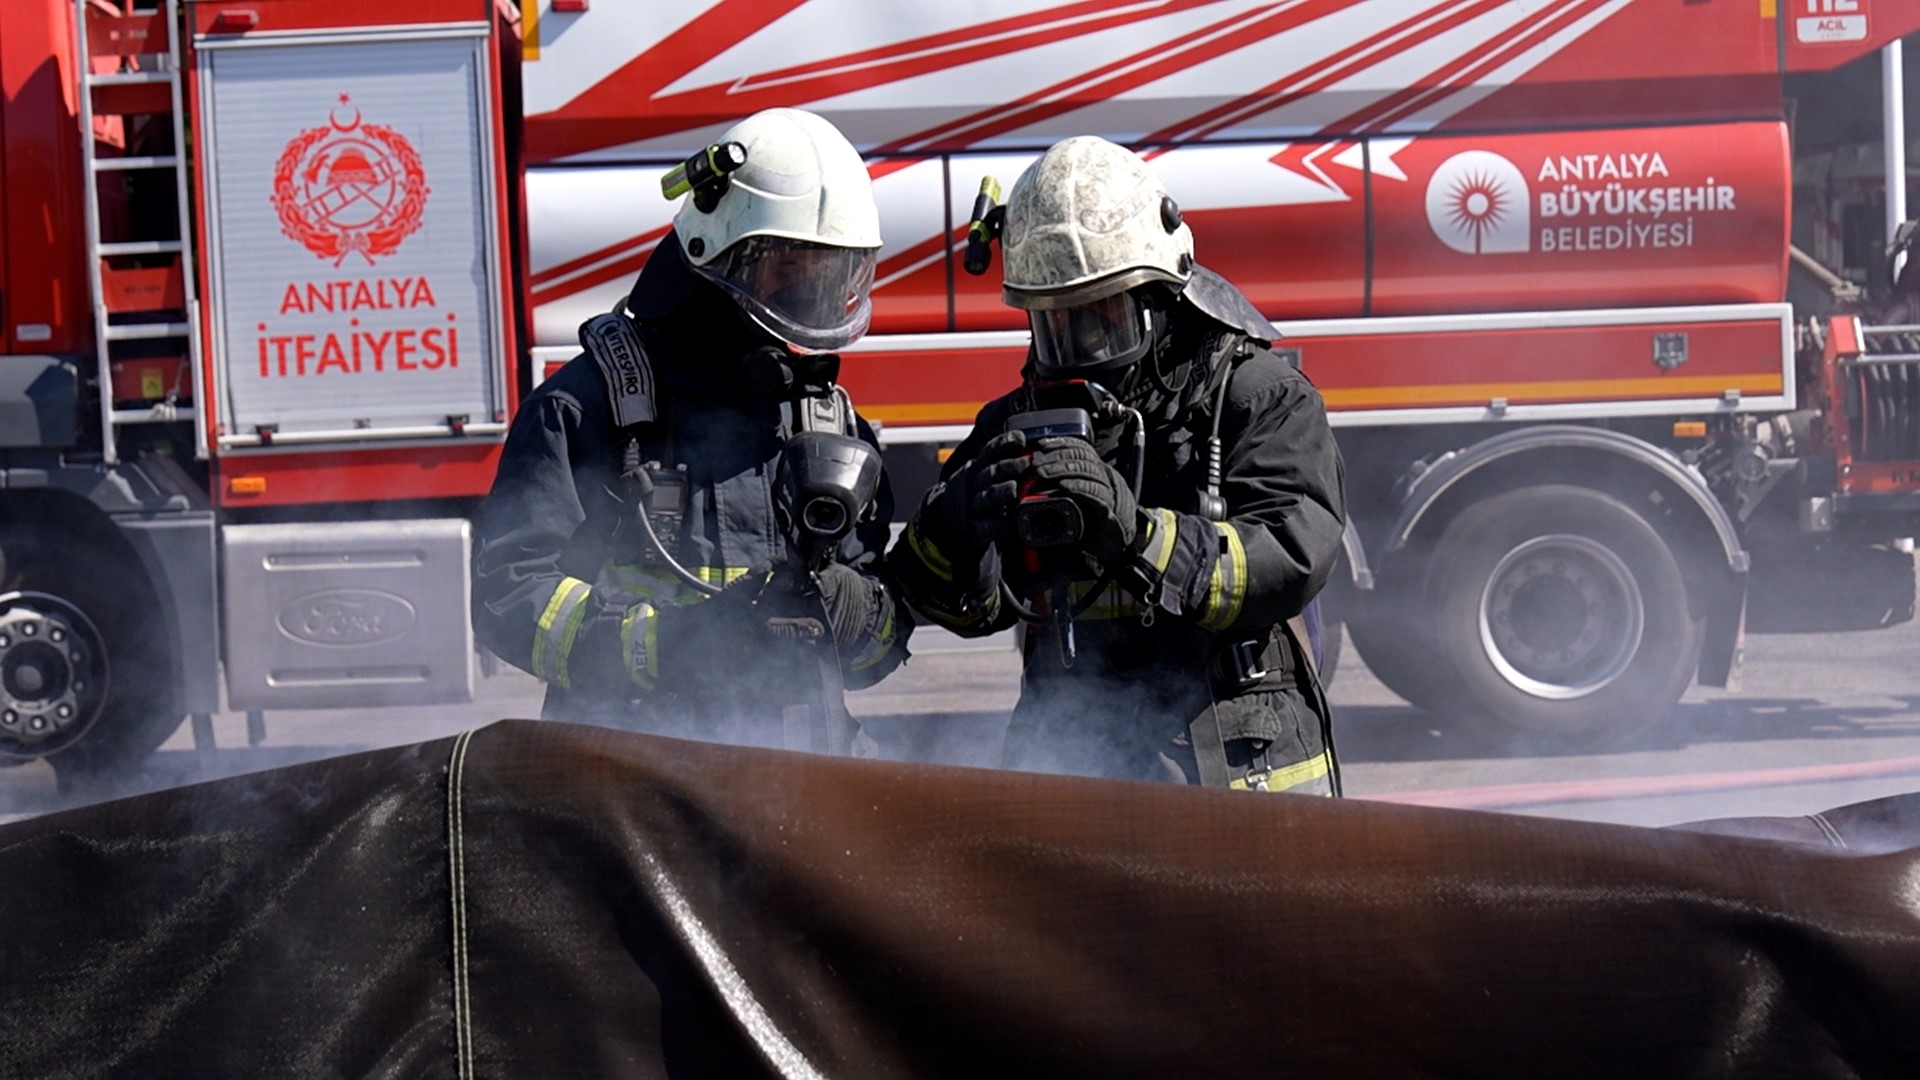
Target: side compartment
x,y
348,615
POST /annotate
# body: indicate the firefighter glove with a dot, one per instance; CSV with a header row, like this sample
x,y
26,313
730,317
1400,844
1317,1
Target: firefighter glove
x,y
993,486
973,507
715,637
857,605
1072,467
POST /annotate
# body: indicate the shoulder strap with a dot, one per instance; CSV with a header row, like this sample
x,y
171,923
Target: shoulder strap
x,y
624,367
1209,406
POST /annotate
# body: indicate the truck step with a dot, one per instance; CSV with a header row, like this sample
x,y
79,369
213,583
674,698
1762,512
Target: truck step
x,y
156,414
146,331
123,164
130,78
141,247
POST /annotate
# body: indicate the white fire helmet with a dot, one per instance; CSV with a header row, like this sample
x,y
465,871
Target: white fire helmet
x,y
795,235
1086,224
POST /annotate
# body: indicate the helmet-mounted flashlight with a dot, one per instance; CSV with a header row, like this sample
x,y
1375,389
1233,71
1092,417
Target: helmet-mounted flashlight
x,y
989,217
704,174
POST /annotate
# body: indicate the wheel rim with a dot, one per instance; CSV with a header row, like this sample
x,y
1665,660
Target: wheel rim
x,y
1561,617
53,674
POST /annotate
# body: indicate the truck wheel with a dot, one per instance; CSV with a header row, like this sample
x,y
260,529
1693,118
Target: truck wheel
x,y
1560,612
81,682
1332,645
1391,630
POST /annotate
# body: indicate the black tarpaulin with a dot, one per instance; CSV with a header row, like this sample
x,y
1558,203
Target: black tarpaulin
x,y
540,900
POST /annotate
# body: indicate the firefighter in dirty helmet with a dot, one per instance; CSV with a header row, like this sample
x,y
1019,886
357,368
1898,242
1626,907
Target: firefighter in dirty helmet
x,y
638,551
1160,500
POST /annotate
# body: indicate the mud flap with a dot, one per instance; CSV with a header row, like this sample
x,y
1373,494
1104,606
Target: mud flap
x,y
1726,639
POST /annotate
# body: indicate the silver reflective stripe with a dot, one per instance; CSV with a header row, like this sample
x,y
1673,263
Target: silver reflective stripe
x,y
644,669
1165,529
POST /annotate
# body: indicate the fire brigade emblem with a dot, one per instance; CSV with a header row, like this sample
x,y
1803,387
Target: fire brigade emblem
x,y
349,188
1477,204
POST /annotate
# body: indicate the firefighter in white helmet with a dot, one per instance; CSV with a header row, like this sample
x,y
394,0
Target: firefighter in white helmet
x,y
641,550
1165,540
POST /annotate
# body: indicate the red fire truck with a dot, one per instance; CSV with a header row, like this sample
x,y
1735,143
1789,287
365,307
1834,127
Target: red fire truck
x,y
276,273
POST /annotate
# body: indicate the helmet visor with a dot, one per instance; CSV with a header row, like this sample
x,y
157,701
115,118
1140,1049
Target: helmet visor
x,y
815,296
1096,336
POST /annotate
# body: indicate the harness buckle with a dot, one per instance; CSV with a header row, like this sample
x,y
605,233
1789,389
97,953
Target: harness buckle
x,y
1244,657
1253,781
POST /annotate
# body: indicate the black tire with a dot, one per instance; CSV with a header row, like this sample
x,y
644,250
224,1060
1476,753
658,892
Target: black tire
x,y
1392,631
1332,645
1561,614
122,626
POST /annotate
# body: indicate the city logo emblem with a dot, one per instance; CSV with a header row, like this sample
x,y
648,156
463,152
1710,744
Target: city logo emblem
x,y
1477,204
349,188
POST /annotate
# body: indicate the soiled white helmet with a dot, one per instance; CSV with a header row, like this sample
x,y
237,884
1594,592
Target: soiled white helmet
x,y
795,234
1086,224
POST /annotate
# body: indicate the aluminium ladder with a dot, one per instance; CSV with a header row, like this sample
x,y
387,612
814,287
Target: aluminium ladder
x,y
156,301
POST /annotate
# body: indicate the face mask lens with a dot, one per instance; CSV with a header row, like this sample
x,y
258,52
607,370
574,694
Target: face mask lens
x,y
1100,333
810,295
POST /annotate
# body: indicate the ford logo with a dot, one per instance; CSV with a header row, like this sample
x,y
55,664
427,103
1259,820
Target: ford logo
x,y
346,617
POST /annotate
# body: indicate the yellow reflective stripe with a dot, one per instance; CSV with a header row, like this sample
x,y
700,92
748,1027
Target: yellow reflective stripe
x,y
1113,603
640,675
1227,587
1288,776
1163,528
930,556
571,631
568,597
652,638
644,582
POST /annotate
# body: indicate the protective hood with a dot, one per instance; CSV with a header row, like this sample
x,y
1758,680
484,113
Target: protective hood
x,y
1217,298
698,339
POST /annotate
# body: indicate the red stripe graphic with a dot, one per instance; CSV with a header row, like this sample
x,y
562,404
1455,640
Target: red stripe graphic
x,y
902,261
1118,76
1320,74
855,71
599,266
603,116
573,266
1463,70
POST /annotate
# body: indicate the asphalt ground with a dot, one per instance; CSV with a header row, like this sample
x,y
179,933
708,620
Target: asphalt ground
x,y
1822,719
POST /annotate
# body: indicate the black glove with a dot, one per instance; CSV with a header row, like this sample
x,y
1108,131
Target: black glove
x,y
715,637
972,508
1072,467
856,604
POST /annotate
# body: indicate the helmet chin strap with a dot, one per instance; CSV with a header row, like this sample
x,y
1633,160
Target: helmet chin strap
x,y
1155,365
1158,377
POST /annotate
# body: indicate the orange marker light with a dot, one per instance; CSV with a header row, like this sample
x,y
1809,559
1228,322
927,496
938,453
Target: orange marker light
x,y
1689,429
246,485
